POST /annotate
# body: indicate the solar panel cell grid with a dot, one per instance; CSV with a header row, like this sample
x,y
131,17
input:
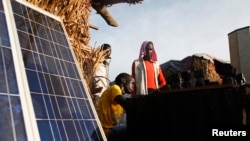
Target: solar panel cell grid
x,y
62,109
5,120
3,82
10,106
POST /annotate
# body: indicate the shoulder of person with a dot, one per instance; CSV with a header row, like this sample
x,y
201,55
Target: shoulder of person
x,y
138,60
115,86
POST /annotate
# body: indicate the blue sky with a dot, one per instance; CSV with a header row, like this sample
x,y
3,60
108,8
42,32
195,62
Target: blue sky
x,y
178,28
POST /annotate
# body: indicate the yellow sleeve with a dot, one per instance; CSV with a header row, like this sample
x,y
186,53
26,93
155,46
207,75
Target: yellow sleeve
x,y
116,90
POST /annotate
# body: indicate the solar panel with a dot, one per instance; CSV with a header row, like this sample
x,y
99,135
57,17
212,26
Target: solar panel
x,y
56,101
11,116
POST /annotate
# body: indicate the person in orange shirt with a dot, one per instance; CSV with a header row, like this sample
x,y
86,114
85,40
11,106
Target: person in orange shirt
x,y
146,71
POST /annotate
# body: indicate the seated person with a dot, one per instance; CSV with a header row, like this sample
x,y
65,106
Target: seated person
x,y
112,105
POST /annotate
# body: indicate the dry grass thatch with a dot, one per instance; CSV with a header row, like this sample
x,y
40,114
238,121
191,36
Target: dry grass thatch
x,y
91,63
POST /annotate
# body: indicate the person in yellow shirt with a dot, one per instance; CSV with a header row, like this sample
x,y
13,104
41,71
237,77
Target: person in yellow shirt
x,y
112,105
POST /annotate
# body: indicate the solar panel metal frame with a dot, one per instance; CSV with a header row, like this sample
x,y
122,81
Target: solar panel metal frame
x,y
31,126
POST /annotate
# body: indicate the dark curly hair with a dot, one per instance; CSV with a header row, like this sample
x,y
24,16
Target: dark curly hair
x,y
120,77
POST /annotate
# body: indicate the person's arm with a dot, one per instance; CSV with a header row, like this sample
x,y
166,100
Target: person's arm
x,y
122,101
161,79
133,70
133,75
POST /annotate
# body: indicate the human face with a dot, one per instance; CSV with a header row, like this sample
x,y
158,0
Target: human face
x,y
129,85
107,53
149,49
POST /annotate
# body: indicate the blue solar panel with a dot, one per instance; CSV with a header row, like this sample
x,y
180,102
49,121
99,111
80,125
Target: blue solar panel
x,y
63,110
11,117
